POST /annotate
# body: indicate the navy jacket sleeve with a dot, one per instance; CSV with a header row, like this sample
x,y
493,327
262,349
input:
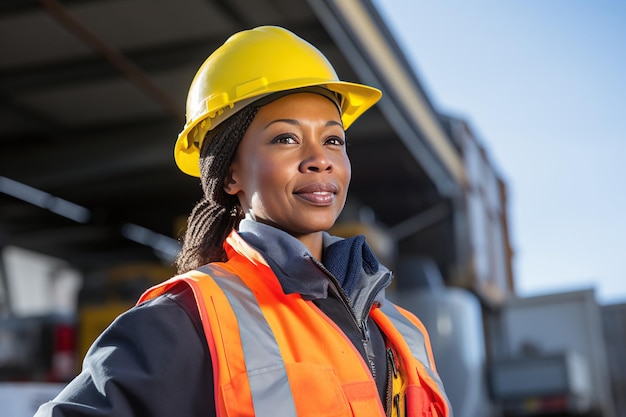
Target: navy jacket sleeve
x,y
152,361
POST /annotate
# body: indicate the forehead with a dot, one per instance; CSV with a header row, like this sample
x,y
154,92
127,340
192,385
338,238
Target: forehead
x,y
299,105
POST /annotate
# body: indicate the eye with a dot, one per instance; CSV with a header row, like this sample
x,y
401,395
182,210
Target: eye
x,y
335,141
285,139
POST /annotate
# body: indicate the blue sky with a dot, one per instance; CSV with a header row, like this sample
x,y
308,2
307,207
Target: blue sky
x,y
543,85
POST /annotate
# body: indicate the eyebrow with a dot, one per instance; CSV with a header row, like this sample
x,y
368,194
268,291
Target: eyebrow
x,y
295,122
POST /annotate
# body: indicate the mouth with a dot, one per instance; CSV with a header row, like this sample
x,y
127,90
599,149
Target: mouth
x,y
319,194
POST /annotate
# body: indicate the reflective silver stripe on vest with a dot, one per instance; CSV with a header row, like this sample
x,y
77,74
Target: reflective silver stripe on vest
x,y
269,385
416,341
411,333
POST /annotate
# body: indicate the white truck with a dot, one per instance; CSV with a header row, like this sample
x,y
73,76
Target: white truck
x,y
552,357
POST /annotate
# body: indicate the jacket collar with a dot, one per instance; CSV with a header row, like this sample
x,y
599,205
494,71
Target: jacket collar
x,y
297,270
290,260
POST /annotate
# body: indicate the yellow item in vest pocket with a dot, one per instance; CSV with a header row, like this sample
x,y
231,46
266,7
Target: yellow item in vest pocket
x,y
398,383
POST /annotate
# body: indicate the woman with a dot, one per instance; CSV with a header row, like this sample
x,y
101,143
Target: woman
x,y
270,315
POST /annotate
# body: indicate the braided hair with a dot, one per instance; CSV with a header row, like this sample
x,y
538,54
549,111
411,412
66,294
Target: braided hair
x,y
218,212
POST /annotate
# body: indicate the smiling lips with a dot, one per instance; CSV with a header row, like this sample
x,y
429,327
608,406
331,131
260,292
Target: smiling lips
x,y
320,194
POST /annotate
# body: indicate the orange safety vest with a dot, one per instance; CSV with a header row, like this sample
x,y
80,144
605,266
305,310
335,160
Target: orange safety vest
x,y
276,354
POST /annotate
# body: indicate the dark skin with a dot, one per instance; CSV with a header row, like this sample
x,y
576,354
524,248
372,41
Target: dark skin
x,y
291,169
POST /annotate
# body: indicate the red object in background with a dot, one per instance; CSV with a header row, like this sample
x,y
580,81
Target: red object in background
x,y
63,355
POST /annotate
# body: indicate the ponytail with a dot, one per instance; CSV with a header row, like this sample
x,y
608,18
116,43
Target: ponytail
x,y
217,213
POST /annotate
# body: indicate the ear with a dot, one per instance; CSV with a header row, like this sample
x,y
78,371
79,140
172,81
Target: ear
x,y
230,183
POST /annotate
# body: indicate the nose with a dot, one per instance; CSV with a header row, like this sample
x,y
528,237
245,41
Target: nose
x,y
316,159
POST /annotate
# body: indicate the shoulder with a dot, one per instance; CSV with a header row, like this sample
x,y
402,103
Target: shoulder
x,y
177,300
148,361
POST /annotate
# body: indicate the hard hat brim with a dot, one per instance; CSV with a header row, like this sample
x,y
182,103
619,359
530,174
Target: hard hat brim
x,y
356,100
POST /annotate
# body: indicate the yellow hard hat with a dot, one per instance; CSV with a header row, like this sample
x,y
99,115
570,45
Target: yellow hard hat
x,y
250,65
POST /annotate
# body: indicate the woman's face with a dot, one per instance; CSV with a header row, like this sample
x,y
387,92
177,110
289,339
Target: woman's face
x,y
291,169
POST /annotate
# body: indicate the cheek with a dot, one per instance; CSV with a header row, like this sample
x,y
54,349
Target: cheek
x,y
267,180
347,168
267,174
279,168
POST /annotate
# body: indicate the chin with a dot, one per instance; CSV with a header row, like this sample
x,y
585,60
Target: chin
x,y
319,226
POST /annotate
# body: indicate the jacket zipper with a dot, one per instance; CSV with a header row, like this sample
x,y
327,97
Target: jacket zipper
x,y
361,324
391,372
392,399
